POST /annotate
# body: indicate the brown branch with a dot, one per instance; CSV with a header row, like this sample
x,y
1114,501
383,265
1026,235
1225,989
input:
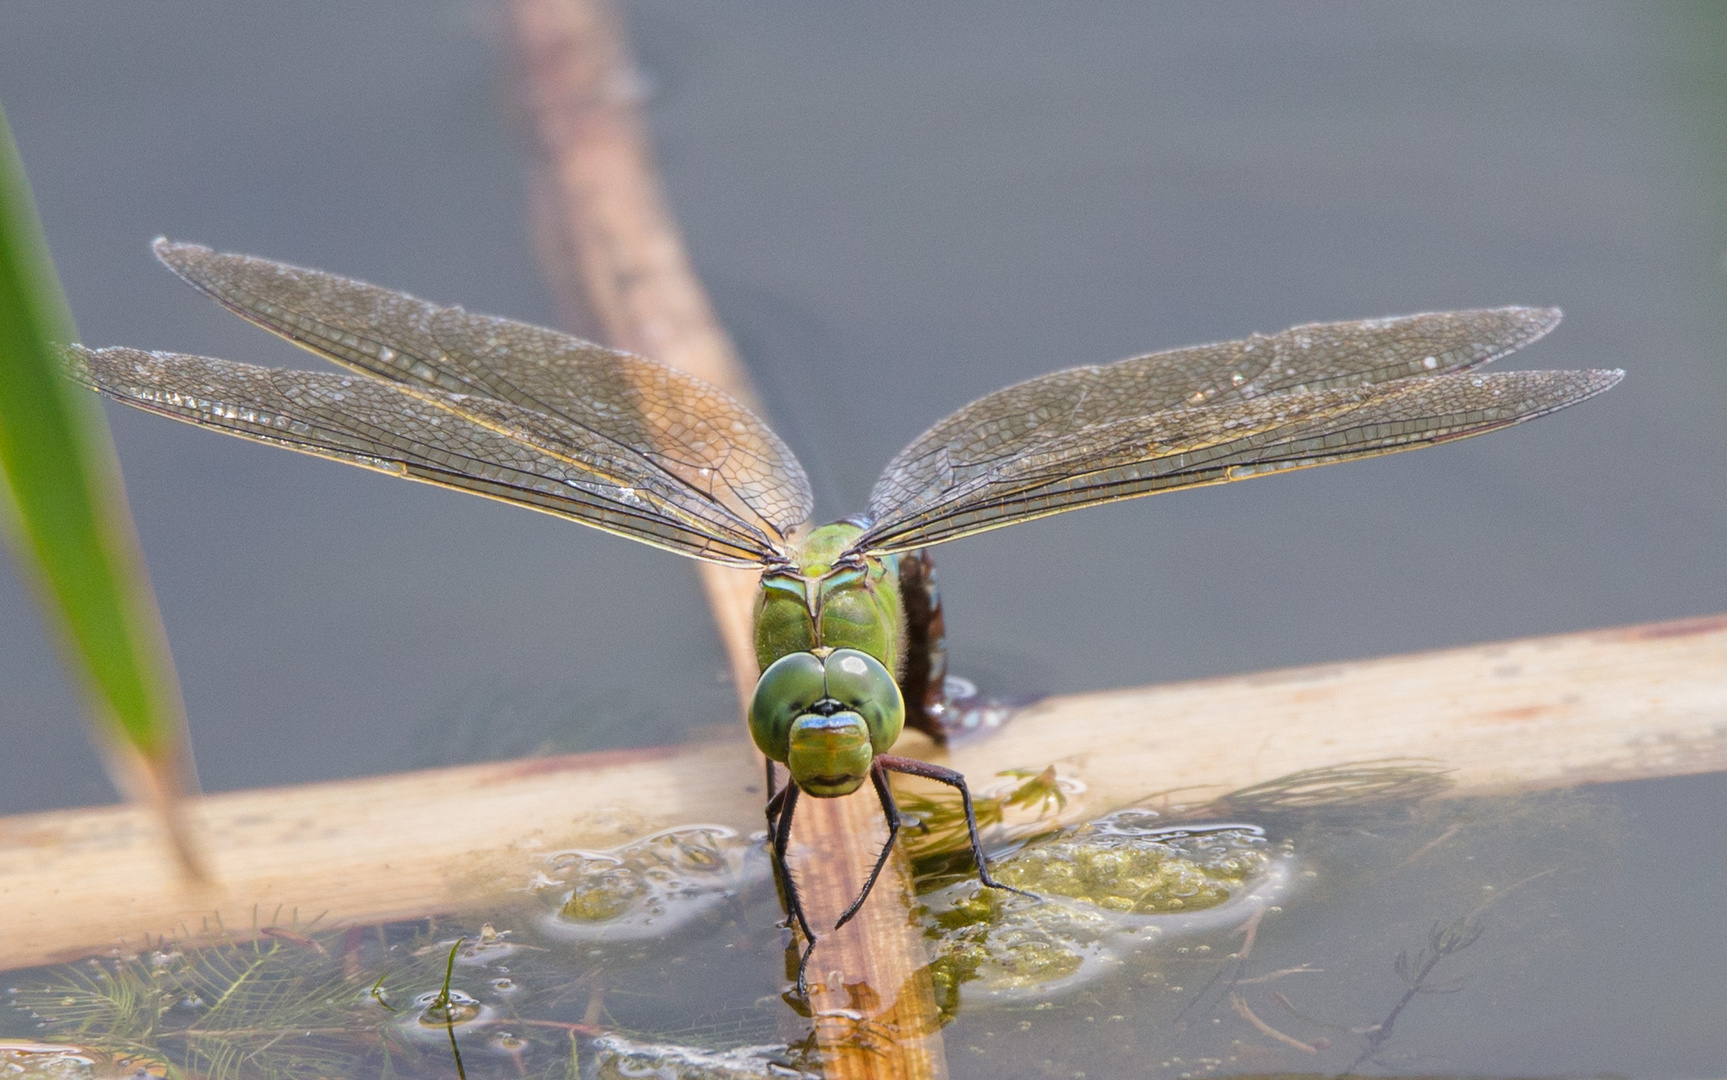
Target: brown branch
x,y
1239,1004
614,255
1273,976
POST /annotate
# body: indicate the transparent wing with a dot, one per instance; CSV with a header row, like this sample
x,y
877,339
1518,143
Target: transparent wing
x,y
1214,444
711,443
487,447
1021,419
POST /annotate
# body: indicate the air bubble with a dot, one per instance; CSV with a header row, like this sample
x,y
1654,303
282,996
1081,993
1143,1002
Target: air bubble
x,y
439,1012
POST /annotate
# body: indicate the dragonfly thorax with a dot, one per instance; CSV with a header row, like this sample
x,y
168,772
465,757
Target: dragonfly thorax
x,y
831,598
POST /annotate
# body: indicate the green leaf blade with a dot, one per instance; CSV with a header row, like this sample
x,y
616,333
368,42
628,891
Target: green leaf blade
x,y
69,524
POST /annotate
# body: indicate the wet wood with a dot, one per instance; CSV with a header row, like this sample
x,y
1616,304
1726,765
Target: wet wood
x,y
1625,704
87,881
614,255
874,1007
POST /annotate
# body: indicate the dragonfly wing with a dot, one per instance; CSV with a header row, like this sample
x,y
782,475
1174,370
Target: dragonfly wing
x,y
1215,444
486,447
708,440
1023,417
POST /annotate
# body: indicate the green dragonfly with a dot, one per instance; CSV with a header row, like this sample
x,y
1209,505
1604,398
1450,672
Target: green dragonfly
x,y
848,625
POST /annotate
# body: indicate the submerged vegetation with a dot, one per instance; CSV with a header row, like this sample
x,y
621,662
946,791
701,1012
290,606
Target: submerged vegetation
x,y
1296,927
285,1005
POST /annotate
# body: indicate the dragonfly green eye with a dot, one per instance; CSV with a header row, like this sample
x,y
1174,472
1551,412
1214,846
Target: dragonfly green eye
x,y
826,719
860,682
789,688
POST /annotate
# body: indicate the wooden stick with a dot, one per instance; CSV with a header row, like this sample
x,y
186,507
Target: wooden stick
x,y
1596,707
612,248
1608,705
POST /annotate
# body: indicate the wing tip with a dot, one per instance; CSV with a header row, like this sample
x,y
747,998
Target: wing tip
x,y
1581,385
1537,322
1547,317
177,255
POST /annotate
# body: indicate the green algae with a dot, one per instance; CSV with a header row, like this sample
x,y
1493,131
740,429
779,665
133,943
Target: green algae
x,y
1107,890
1126,863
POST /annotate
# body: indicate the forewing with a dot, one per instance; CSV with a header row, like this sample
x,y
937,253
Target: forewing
x,y
1021,419
695,432
478,445
1214,444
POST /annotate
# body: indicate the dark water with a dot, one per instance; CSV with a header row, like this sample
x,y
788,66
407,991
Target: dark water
x,y
897,209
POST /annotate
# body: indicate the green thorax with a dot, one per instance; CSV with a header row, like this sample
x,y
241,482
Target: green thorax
x,y
855,605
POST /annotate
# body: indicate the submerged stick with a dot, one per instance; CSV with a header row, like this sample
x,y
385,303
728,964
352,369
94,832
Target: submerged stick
x,y
615,257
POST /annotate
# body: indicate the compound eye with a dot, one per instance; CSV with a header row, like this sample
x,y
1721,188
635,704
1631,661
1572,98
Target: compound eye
x,y
861,683
786,690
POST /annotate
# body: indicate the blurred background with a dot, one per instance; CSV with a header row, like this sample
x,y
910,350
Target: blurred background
x,y
897,209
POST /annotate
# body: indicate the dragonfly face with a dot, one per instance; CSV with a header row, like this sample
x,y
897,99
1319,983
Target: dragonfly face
x,y
825,715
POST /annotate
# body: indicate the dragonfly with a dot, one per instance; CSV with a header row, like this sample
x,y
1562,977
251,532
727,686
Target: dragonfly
x,y
848,627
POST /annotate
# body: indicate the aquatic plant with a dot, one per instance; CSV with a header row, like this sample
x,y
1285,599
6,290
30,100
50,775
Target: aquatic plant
x,y
256,1009
283,1004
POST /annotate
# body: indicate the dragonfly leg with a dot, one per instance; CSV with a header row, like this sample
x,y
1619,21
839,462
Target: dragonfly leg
x,y
914,767
776,802
890,810
780,834
776,805
780,837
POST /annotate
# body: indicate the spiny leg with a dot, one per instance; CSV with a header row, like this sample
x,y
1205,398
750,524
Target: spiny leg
x,y
781,836
776,804
775,807
890,810
914,767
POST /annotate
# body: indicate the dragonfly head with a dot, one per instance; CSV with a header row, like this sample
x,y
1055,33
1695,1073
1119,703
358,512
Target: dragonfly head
x,y
826,717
